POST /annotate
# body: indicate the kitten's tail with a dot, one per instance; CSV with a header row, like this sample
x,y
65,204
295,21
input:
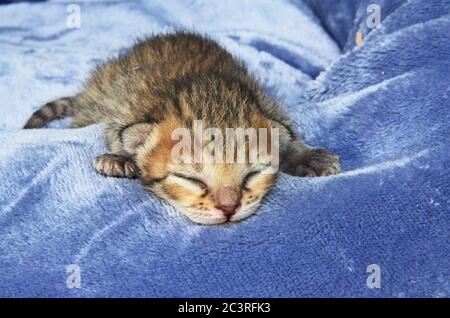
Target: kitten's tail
x,y
62,107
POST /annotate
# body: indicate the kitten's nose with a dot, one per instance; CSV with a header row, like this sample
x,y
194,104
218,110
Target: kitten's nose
x,y
227,200
228,210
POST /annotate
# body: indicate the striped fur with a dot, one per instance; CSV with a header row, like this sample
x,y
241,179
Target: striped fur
x,y
167,82
59,108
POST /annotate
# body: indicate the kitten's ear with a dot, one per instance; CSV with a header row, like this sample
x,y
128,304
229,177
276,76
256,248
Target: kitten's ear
x,y
135,136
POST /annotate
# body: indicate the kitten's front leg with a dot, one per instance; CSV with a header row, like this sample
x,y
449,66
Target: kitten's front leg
x,y
298,160
114,165
123,141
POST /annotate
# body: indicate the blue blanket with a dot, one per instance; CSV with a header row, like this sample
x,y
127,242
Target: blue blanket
x,y
382,105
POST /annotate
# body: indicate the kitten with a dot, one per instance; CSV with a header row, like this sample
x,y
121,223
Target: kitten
x,y
167,82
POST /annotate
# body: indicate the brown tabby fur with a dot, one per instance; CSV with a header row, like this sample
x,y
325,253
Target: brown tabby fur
x,y
166,82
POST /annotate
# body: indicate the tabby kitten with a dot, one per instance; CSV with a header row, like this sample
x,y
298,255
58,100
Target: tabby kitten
x,y
167,82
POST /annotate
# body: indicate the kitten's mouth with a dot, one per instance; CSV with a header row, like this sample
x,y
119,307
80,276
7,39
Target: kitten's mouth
x,y
218,217
215,217
210,221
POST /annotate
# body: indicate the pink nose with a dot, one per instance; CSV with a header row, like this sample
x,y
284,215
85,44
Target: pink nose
x,y
228,210
227,200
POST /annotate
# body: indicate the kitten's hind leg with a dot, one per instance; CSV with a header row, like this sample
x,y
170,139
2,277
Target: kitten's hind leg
x,y
116,165
298,160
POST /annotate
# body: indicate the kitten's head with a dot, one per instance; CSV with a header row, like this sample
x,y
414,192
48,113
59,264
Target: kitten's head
x,y
208,192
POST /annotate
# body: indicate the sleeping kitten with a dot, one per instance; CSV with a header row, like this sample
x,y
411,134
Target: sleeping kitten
x,y
168,82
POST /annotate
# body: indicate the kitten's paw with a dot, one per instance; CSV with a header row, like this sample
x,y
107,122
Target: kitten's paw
x,y
113,165
315,163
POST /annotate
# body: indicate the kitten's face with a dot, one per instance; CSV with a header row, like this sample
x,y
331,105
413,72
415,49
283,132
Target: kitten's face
x,y
208,192
215,193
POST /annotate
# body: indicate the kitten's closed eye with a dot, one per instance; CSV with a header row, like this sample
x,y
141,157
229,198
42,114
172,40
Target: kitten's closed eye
x,y
189,180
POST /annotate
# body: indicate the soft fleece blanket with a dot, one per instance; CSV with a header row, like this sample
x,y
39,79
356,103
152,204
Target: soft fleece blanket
x,y
383,106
